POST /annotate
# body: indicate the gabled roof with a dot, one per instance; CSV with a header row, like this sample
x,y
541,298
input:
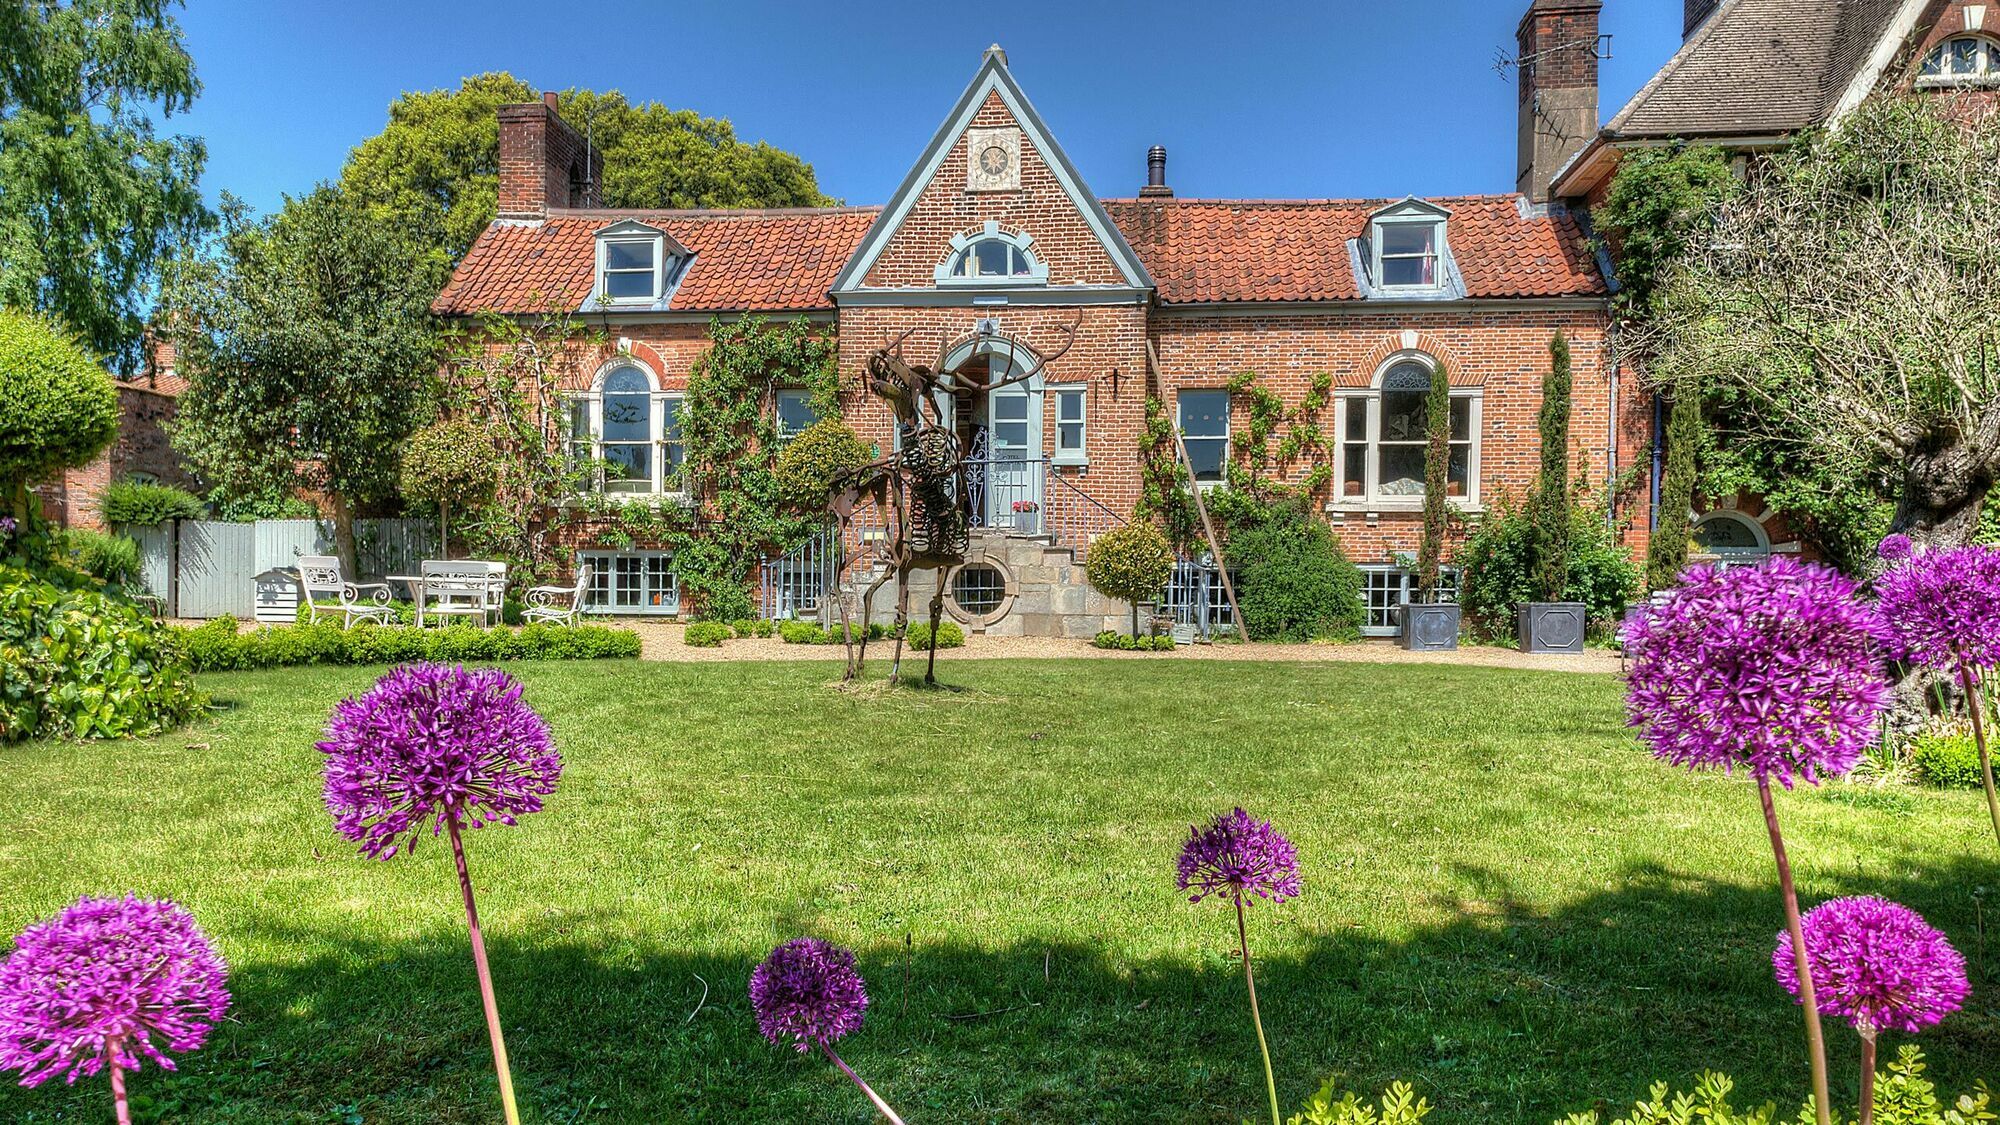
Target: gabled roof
x,y
992,78
771,260
1766,68
1295,250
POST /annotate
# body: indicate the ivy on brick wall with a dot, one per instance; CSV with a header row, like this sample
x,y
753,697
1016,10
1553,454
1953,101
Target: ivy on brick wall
x,y
1277,442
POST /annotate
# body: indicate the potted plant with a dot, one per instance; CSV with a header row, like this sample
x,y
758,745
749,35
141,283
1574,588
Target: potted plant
x,y
1429,623
1027,521
1552,624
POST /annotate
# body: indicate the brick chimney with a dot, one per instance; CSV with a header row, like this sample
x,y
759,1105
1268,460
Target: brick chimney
x,y
542,162
1558,113
1698,12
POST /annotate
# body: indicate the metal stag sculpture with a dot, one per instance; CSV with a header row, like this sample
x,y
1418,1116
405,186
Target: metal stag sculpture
x,y
920,490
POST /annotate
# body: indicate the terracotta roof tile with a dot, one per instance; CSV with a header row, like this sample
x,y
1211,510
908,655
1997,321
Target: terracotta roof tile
x,y
763,260
1296,250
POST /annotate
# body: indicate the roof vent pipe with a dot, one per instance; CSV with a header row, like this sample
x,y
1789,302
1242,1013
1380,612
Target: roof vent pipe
x,y
1156,173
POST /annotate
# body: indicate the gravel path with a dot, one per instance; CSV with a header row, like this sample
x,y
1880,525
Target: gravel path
x,y
662,641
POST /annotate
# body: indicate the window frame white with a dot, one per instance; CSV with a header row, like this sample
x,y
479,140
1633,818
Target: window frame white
x,y
1228,432
1060,395
1369,400
951,271
656,243
1986,65
661,405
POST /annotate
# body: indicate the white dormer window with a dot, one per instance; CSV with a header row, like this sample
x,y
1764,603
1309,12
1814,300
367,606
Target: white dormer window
x,y
1408,242
636,263
991,256
1970,60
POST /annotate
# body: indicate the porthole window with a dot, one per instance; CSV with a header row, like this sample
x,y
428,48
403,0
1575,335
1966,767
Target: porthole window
x,y
978,589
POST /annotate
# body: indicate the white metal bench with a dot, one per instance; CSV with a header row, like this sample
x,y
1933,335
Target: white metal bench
x,y
559,604
320,580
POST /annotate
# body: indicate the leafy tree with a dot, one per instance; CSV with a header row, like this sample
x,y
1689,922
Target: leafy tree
x,y
435,168
58,408
453,464
1845,317
1437,473
1661,200
90,199
310,356
1131,562
1551,504
1667,554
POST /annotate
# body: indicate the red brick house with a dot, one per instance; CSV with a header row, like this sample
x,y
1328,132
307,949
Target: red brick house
x,y
146,406
994,237
1750,75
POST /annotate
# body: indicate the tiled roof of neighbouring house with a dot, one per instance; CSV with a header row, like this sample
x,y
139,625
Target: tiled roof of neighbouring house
x,y
1296,250
778,260
1758,67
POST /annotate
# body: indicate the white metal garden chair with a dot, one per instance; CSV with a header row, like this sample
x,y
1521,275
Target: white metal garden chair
x,y
468,590
327,591
559,604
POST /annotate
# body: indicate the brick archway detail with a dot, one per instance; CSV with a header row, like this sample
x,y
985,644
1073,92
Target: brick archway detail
x,y
1363,375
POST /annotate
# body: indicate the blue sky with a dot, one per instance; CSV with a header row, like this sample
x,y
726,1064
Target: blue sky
x,y
1333,98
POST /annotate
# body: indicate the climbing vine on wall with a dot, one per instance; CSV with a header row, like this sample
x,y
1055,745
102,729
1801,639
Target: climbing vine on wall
x,y
1265,456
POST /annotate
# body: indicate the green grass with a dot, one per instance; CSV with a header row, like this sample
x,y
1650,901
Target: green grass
x,y
1507,903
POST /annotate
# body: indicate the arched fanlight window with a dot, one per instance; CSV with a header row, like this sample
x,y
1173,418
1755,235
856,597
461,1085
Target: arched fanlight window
x,y
1966,60
991,256
1384,437
631,429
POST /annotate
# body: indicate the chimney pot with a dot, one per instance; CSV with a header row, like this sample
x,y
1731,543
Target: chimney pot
x,y
549,98
1156,173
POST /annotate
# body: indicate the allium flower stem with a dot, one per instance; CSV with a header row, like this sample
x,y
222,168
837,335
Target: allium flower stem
x,y
1975,701
1867,1076
1250,981
1815,1041
880,1105
118,1100
485,979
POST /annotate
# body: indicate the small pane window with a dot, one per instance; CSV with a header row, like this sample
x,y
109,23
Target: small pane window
x,y
629,269
795,413
1409,254
1069,424
628,582
1384,444
978,589
1204,420
992,257
673,448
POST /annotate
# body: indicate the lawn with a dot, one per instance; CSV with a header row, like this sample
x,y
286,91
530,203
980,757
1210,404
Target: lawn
x,y
1506,901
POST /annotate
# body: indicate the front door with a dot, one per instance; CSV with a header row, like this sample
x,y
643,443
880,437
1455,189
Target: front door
x,y
1014,456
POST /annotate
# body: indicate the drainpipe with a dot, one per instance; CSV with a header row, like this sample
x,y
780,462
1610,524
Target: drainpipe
x,y
1659,433
1611,432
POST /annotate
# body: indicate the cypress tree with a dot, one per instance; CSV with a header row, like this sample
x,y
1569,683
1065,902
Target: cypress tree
x,y
1551,506
1667,555
1437,462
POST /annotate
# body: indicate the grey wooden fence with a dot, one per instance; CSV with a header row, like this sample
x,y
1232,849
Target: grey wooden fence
x,y
206,568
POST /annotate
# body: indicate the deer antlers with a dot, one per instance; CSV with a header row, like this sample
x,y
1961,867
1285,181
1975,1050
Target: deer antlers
x,y
1042,359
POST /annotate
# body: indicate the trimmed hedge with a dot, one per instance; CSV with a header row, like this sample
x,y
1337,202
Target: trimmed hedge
x,y
82,663
706,634
218,646
1115,640
949,635
134,503
1946,756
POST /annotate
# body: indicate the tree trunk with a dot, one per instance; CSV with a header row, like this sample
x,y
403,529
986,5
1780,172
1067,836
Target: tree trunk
x,y
1943,493
343,538
444,530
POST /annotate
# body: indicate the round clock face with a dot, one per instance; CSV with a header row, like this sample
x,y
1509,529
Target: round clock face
x,y
993,161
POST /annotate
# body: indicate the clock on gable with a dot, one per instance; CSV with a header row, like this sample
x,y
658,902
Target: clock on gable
x,y
993,159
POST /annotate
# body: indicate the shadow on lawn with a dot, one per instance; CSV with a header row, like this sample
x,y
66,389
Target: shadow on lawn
x,y
1502,1015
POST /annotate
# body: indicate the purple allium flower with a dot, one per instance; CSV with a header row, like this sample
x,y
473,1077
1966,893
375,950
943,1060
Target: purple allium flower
x,y
1235,855
105,981
1943,607
1877,963
1776,667
7,525
807,991
1894,548
431,743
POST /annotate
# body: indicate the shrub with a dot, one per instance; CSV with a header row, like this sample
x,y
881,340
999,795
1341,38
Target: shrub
x,y
82,663
112,558
134,503
60,409
949,635
801,633
744,628
1945,755
1903,1096
219,646
1131,562
805,469
1113,639
1296,584
1399,1106
453,464
706,634
1497,567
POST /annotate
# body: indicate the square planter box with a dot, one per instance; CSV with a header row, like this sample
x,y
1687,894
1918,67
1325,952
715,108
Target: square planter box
x,y
1553,626
1430,628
